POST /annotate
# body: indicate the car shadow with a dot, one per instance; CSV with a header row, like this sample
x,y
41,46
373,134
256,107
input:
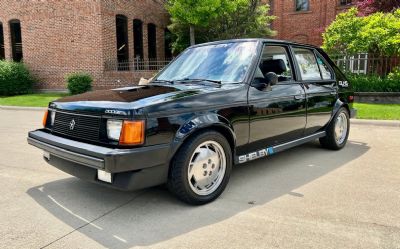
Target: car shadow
x,y
125,219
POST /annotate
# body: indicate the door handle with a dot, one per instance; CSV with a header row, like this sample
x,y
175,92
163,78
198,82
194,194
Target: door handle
x,y
333,93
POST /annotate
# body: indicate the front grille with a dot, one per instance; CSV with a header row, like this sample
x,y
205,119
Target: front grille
x,y
77,125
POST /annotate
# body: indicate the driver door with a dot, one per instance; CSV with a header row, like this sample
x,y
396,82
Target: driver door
x,y
278,112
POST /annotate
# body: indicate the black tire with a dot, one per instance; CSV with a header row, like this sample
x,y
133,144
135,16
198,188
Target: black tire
x,y
330,141
178,182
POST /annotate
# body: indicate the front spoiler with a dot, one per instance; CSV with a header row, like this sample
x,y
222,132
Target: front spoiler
x,y
98,157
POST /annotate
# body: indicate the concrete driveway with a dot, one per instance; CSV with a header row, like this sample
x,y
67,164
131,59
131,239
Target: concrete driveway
x,y
306,197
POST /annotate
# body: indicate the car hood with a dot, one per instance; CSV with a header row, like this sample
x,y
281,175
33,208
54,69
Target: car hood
x,y
133,98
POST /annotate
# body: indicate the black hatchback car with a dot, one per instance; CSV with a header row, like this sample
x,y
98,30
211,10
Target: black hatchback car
x,y
216,105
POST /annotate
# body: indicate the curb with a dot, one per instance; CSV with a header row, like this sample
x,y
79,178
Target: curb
x,y
22,108
388,123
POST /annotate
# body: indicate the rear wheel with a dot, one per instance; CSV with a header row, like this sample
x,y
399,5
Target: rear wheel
x,y
201,169
337,132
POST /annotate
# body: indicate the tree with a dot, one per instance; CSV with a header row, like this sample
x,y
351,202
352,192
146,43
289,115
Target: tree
x,y
378,33
367,7
196,13
243,19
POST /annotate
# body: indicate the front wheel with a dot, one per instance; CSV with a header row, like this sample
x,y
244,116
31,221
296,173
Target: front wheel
x,y
201,169
337,131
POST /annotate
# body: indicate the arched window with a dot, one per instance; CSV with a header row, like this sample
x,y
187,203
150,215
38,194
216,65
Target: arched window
x,y
138,38
16,40
152,40
167,44
122,42
2,55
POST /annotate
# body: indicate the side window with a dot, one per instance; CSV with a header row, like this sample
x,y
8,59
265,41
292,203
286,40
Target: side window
x,y
275,59
307,64
325,71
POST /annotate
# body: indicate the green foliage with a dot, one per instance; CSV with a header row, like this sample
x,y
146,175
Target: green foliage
x,y
372,83
378,33
79,82
224,19
378,111
395,75
14,78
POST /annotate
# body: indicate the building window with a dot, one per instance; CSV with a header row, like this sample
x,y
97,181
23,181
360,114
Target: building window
x,y
167,44
152,40
138,38
2,54
345,2
302,5
16,40
122,42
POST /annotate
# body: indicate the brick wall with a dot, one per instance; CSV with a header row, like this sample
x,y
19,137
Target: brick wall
x,y
63,36
305,26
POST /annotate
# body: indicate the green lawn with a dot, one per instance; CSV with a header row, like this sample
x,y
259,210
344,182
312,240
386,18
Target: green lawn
x,y
36,100
378,111
365,111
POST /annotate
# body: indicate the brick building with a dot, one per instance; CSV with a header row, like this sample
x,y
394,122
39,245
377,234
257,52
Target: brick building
x,y
119,41
102,37
305,20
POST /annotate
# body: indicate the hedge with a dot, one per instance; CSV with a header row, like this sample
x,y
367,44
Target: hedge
x,y
14,78
372,83
79,82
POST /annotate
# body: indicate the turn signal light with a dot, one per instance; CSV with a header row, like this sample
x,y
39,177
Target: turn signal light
x,y
351,98
45,118
132,133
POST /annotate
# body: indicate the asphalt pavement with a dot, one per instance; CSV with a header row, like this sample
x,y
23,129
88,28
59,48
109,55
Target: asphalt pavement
x,y
306,197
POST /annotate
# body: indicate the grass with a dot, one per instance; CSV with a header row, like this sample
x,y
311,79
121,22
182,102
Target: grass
x,y
365,111
35,100
378,111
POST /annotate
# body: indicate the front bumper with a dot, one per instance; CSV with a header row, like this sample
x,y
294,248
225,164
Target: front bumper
x,y
131,168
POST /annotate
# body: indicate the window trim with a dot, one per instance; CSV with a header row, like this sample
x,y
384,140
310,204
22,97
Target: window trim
x,y
314,51
287,48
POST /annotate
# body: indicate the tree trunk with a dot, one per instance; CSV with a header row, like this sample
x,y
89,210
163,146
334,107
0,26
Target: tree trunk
x,y
192,40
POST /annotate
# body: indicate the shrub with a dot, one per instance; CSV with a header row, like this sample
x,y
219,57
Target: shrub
x,y
14,78
373,83
395,74
79,82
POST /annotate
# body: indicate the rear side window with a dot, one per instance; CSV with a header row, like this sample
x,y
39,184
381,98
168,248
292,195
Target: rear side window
x,y
325,70
308,65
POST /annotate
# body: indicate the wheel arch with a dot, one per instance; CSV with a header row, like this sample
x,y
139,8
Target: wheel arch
x,y
203,123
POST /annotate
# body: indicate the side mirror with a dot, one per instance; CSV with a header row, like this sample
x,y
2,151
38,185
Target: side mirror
x,y
260,84
271,78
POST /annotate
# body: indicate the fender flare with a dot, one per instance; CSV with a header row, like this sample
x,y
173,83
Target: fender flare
x,y
338,104
198,123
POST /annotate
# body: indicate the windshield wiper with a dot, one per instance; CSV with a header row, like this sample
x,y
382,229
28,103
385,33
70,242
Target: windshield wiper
x,y
213,81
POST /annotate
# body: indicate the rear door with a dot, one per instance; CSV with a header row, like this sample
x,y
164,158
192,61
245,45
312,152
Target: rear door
x,y
320,87
278,113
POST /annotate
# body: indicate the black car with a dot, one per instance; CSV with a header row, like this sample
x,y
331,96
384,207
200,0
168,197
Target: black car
x,y
216,105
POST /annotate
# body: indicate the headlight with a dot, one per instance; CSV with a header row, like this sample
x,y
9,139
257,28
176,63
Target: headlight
x,y
114,129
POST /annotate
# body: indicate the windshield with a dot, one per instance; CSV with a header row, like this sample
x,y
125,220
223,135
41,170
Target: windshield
x,y
227,62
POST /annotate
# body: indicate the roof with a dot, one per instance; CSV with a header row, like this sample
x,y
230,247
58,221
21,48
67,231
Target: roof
x,y
257,40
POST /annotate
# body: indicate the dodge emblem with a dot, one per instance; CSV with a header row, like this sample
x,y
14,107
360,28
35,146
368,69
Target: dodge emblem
x,y
72,124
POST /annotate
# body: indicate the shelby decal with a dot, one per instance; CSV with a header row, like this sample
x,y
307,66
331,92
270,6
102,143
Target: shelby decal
x,y
344,83
256,155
